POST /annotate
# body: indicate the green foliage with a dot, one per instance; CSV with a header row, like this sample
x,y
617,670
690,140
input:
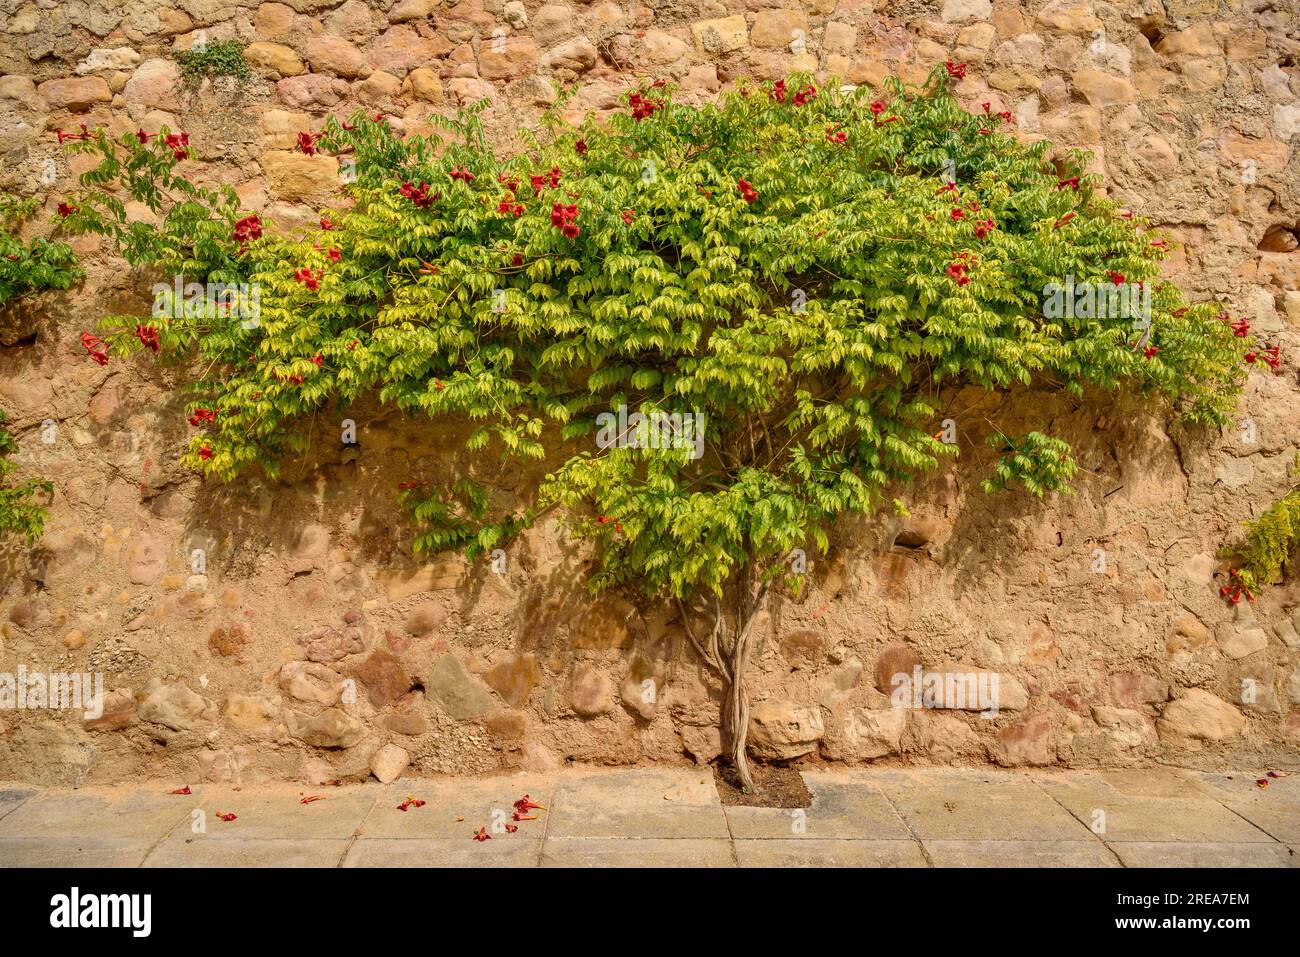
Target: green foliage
x,y
30,267
1039,462
212,59
801,292
19,512
1271,548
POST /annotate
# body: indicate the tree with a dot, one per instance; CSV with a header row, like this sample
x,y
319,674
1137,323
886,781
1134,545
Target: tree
x,y
733,319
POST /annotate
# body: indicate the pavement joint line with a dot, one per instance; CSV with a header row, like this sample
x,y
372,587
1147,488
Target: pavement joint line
x,y
356,831
158,843
1094,835
1231,810
25,799
916,838
546,823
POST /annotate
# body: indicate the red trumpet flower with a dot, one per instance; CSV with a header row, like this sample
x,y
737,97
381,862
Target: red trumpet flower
x,y
409,803
96,346
307,143
461,173
526,803
628,215
419,195
227,817
956,71
148,337
66,210
581,147
482,835
184,790
642,107
1116,277
747,192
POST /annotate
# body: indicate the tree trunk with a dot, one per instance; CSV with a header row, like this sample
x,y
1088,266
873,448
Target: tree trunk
x,y
731,666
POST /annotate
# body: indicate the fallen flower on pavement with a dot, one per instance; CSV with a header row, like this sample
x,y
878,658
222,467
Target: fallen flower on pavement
x,y
410,802
526,803
312,797
226,817
482,835
184,790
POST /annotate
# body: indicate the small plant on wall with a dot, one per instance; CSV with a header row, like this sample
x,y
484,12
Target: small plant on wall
x,y
212,59
725,326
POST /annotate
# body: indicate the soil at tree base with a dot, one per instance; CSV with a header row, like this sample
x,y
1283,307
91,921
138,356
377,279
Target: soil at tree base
x,y
775,785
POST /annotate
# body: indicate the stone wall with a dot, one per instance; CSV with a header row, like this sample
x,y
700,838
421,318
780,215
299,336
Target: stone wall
x,y
311,645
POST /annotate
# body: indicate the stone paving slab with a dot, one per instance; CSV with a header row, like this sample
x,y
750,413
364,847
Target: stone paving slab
x,y
1274,809
841,810
440,852
637,852
53,851
10,798
1126,817
1166,854
185,850
819,852
141,814
276,812
1020,854
674,804
985,807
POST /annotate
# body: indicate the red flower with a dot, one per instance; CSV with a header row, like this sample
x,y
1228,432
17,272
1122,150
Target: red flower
x,y
1072,182
957,212
227,817
517,260
335,255
482,835
148,337
308,278
511,828
746,190
419,195
956,70
836,136
326,224
203,415
642,107
143,137
514,209
526,804
541,181
1116,277
984,228
563,217
1006,116
1150,351
958,270
807,95
66,210
877,107
1241,327
248,229
184,790
461,173
318,359
307,143
83,135
205,453
581,147
1064,219
177,143
510,184
984,131
778,91
96,346
628,215
410,802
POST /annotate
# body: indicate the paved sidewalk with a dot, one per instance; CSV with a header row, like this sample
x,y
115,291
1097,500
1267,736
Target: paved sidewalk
x,y
672,817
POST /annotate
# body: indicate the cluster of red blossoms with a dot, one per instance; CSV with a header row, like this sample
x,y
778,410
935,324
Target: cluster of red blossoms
x,y
460,172
307,142
581,147
879,107
510,205
1005,114
419,195
246,230
148,337
96,346
642,107
959,269
1072,183
956,70
309,278
1272,356
836,136
746,190
542,180
605,520
66,210
985,227
801,98
179,144
562,218
202,415
1235,589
